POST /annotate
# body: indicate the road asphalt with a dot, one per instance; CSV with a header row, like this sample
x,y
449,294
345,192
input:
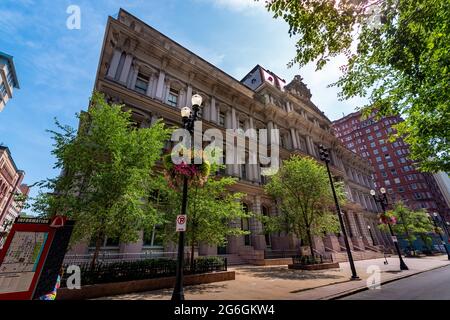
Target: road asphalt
x,y
430,285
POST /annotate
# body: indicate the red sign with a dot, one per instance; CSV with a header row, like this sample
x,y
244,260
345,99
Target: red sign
x,y
181,223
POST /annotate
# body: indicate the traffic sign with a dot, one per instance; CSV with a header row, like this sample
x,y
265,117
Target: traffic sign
x,y
181,223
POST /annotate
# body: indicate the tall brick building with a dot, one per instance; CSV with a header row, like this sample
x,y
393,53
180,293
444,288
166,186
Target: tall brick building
x,y
10,185
369,138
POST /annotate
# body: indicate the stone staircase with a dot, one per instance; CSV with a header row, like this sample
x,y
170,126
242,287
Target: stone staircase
x,y
357,255
233,259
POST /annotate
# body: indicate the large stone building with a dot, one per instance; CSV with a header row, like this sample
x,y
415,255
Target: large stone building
x,y
155,77
393,169
10,186
8,79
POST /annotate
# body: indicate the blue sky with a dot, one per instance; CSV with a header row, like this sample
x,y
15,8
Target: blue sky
x,y
57,66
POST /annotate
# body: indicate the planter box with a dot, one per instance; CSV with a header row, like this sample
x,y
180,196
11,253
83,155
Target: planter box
x,y
116,288
319,266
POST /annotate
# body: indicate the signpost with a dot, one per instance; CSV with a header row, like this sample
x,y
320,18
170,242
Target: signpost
x,y
32,256
181,223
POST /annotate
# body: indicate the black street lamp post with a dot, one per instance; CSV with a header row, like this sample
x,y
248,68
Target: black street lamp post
x,y
434,218
325,156
383,201
189,117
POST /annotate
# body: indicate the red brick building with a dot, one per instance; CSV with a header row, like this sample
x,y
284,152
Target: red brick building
x,y
393,170
10,185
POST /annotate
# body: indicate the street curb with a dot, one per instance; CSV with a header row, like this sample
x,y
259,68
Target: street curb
x,y
361,289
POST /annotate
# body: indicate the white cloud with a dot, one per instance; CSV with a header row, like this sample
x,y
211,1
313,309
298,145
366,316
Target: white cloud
x,y
238,5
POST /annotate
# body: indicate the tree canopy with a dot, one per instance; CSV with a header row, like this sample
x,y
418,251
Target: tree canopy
x,y
107,171
303,193
410,223
398,56
211,209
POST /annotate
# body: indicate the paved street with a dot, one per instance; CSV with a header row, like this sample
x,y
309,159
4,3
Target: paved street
x,y
279,283
431,285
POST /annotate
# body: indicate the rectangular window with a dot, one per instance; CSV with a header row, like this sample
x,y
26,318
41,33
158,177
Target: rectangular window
x,y
10,79
378,159
387,183
142,83
222,119
397,180
172,99
2,90
370,138
243,172
390,164
381,166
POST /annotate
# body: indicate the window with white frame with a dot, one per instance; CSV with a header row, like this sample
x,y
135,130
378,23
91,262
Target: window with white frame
x,y
172,98
142,83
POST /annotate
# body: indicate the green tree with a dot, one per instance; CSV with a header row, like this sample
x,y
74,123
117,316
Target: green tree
x,y
401,62
303,193
107,169
409,223
211,209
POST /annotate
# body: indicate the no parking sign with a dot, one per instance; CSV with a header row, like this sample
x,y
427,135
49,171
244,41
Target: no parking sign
x,y
181,223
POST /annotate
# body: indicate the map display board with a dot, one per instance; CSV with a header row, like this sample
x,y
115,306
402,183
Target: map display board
x,y
21,261
32,257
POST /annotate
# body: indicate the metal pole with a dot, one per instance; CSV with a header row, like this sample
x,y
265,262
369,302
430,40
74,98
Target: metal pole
x,y
178,292
403,265
341,221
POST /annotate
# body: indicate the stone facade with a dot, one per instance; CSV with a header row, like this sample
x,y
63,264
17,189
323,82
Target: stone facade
x,y
154,76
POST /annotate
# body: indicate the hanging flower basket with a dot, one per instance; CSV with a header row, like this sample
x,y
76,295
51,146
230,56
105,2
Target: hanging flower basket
x,y
385,219
197,174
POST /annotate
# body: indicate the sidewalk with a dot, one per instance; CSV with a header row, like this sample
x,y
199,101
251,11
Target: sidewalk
x,y
279,283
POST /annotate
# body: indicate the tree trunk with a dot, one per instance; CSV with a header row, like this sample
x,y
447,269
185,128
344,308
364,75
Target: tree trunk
x,y
192,254
98,244
310,243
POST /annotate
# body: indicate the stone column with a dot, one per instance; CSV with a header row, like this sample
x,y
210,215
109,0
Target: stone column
x,y
254,167
357,238
150,86
294,139
270,127
258,240
126,69
114,64
189,96
213,110
133,77
365,231
160,86
310,146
